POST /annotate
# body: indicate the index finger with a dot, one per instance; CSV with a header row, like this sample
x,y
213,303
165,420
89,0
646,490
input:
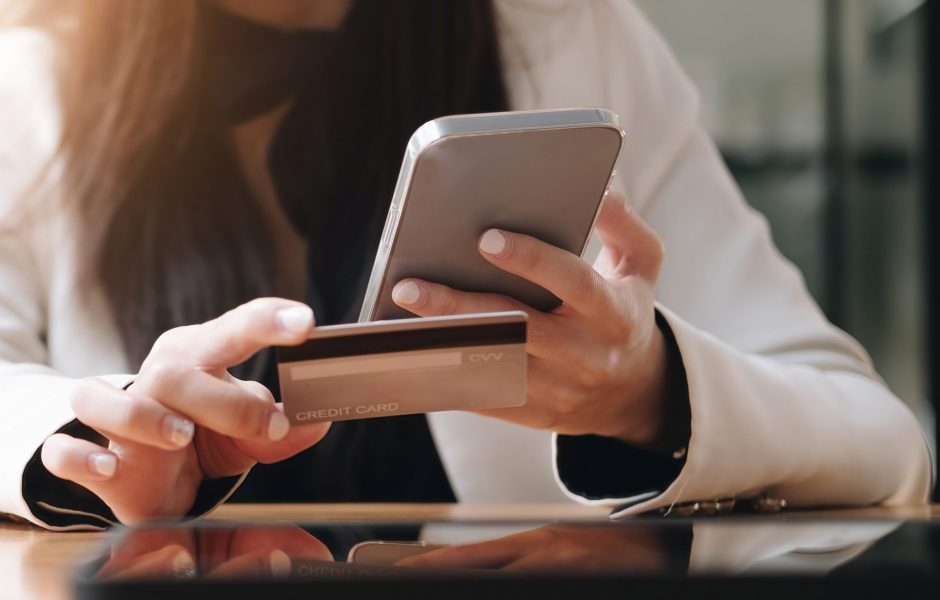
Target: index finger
x,y
238,334
560,272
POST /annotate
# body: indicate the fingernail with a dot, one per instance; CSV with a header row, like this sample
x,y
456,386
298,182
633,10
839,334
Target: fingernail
x,y
296,319
183,565
178,431
280,563
406,293
278,426
103,464
493,242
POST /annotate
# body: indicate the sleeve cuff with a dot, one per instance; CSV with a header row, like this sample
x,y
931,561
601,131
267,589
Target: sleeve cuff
x,y
593,467
774,434
605,470
63,505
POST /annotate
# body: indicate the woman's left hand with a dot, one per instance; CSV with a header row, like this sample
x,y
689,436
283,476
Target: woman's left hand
x,y
598,363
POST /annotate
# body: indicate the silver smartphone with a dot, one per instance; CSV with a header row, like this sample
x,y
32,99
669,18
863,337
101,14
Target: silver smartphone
x,y
543,173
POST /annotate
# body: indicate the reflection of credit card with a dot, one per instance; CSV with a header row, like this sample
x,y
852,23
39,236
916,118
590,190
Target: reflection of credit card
x,y
406,366
387,554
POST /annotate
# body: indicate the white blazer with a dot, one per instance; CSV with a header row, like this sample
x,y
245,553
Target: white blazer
x,y
781,401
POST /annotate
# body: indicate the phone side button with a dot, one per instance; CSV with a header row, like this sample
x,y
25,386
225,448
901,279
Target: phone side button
x,y
610,182
390,228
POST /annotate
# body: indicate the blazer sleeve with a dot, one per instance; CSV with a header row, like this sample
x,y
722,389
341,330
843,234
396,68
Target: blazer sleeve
x,y
34,397
781,401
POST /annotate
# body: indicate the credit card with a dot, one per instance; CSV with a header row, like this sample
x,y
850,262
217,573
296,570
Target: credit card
x,y
405,366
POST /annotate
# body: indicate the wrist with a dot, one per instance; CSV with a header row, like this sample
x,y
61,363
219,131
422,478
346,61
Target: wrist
x,y
658,412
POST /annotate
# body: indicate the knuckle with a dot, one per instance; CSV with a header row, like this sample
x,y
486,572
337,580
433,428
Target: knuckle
x,y
555,538
590,287
630,258
545,537
596,369
246,413
559,408
131,416
164,339
540,334
162,376
621,330
259,308
257,389
658,248
170,338
254,312
448,303
544,420
591,376
52,444
568,403
657,255
529,257
568,551
53,453
84,390
555,419
51,458
256,305
171,342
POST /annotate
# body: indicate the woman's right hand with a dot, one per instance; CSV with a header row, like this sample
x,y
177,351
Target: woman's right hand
x,y
185,418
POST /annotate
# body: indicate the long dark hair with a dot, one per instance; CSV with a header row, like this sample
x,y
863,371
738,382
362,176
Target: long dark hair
x,y
169,229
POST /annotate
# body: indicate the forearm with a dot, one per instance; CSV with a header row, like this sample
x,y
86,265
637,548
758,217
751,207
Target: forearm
x,y
795,431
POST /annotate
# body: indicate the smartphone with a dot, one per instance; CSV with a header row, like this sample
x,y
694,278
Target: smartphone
x,y
543,173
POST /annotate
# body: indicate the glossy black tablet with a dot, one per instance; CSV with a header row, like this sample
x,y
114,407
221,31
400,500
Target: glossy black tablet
x,y
753,557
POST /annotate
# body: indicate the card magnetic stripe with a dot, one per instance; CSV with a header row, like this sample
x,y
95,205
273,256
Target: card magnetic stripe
x,y
356,344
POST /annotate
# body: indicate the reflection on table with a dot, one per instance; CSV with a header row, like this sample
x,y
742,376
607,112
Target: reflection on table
x,y
640,548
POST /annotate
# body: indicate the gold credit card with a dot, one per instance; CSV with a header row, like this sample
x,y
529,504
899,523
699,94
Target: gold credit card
x,y
405,366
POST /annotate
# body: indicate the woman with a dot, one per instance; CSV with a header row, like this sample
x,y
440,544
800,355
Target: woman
x,y
199,154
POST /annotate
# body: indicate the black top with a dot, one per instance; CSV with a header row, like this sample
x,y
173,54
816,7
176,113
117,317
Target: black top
x,y
252,70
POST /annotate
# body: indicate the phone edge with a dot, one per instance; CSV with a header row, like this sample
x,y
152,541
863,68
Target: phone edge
x,y
487,124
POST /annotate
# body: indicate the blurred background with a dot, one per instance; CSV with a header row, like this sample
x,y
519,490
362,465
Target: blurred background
x,y
820,108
